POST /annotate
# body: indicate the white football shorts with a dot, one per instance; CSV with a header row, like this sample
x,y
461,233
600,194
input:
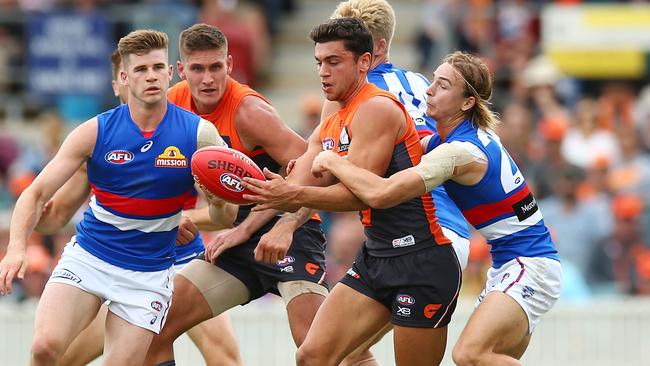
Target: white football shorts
x,y
533,282
140,298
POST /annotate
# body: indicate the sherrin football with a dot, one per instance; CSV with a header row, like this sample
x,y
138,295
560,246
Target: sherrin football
x,y
220,170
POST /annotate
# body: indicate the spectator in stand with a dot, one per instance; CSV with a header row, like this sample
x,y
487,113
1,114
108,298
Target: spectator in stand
x,y
245,29
540,76
515,132
576,226
642,116
585,141
548,158
623,258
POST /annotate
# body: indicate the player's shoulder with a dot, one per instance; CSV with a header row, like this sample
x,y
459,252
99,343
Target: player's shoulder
x,y
182,115
113,111
383,101
252,109
381,107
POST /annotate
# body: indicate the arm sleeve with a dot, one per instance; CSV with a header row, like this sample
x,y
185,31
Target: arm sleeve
x,y
437,166
207,135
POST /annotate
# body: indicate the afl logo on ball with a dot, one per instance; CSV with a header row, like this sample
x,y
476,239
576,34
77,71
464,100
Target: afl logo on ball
x,y
231,182
119,157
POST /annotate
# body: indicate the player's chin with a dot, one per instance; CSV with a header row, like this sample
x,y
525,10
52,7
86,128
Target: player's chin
x,y
209,98
153,98
330,96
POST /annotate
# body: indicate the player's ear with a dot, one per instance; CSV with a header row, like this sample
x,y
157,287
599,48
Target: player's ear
x,y
468,103
123,79
381,47
171,71
229,64
181,70
365,61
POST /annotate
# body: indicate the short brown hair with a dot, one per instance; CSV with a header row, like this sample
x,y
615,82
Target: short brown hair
x,y
142,41
478,84
352,31
201,37
377,15
116,60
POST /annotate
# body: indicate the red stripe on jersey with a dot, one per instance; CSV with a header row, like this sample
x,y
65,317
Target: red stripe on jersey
x,y
140,206
190,203
488,211
425,133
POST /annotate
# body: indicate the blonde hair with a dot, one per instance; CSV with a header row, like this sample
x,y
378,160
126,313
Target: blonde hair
x,y
478,84
140,42
378,16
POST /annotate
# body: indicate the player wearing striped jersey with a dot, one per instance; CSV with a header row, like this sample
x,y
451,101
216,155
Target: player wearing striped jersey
x,y
216,340
410,88
407,272
263,253
124,247
479,175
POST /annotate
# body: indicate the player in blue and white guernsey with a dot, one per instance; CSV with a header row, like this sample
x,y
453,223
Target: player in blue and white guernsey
x,y
137,158
410,88
216,340
525,279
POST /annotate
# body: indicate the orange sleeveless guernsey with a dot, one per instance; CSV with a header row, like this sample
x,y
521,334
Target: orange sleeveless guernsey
x,y
409,225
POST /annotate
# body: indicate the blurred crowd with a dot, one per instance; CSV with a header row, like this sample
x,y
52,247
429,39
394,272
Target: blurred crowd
x,y
583,145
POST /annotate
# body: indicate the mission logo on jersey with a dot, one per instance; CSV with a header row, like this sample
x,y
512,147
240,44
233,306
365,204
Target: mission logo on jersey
x,y
171,158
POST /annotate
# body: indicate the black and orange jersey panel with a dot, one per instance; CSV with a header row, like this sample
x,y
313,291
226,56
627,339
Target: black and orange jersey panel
x,y
407,226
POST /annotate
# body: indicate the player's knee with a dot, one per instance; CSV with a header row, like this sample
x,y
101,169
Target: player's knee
x,y
309,356
465,356
363,359
46,351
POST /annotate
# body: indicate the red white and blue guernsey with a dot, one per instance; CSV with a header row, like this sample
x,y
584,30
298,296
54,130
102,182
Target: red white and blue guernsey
x,y
140,185
410,88
186,252
500,206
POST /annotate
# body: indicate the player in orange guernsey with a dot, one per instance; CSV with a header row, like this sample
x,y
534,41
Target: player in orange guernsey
x,y
407,272
263,252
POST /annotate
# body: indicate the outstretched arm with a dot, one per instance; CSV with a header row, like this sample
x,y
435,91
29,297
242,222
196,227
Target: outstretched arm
x,y
376,126
445,162
373,190
76,149
66,201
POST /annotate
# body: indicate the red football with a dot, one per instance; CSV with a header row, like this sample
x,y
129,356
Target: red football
x,y
220,170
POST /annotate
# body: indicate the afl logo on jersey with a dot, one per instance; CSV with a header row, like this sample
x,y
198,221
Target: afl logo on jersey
x,y
119,157
231,182
328,144
405,300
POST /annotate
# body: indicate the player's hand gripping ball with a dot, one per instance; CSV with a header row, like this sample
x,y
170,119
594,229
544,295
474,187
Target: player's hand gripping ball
x,y
220,170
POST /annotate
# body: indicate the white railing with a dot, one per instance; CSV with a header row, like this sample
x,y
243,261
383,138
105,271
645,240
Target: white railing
x,y
594,333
